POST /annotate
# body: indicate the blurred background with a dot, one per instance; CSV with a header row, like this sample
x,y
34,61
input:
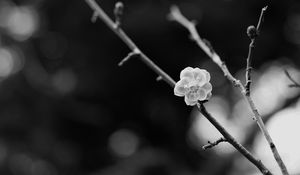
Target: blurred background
x,y
66,108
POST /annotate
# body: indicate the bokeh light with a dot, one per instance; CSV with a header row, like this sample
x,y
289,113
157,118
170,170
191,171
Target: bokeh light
x,y
123,143
22,22
67,108
11,61
64,81
202,130
284,129
6,62
21,163
271,86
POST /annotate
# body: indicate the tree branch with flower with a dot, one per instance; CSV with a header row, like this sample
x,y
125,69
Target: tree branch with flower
x,y
176,15
194,84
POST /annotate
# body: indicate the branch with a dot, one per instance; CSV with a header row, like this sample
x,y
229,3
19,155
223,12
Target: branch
x,y
232,141
213,144
252,33
176,15
115,27
295,83
130,55
162,75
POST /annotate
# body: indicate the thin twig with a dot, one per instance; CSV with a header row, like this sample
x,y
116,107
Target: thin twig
x,y
177,16
295,83
123,36
103,16
232,141
261,19
252,33
130,55
213,144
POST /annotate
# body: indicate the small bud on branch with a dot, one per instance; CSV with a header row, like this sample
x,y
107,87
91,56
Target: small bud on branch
x,y
176,15
252,32
118,11
94,17
130,55
212,144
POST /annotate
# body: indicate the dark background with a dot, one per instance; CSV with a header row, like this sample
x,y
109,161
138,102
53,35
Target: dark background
x,y
67,108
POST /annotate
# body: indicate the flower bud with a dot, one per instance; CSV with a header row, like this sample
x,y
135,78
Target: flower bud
x,y
251,32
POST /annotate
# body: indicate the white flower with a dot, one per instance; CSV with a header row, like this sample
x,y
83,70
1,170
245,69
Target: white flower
x,y
194,85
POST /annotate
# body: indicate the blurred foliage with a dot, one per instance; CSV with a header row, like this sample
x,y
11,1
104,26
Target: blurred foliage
x,y
67,108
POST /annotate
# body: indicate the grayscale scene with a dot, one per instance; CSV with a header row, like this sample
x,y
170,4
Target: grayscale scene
x,y
144,87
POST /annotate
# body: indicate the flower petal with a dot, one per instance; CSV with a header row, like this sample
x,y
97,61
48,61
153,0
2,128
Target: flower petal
x,y
207,87
208,96
202,94
187,73
207,75
200,76
180,87
189,101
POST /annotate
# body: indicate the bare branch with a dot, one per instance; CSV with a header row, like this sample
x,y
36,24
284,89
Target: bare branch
x,y
123,36
135,50
252,33
232,141
213,144
130,55
295,83
261,19
177,16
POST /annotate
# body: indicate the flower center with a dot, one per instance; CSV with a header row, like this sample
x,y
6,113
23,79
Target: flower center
x,y
194,89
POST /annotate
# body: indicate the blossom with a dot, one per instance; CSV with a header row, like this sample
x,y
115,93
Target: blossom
x,y
194,85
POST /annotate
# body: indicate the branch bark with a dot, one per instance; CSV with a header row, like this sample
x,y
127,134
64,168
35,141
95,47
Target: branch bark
x,y
232,141
176,15
201,108
213,144
123,36
252,33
